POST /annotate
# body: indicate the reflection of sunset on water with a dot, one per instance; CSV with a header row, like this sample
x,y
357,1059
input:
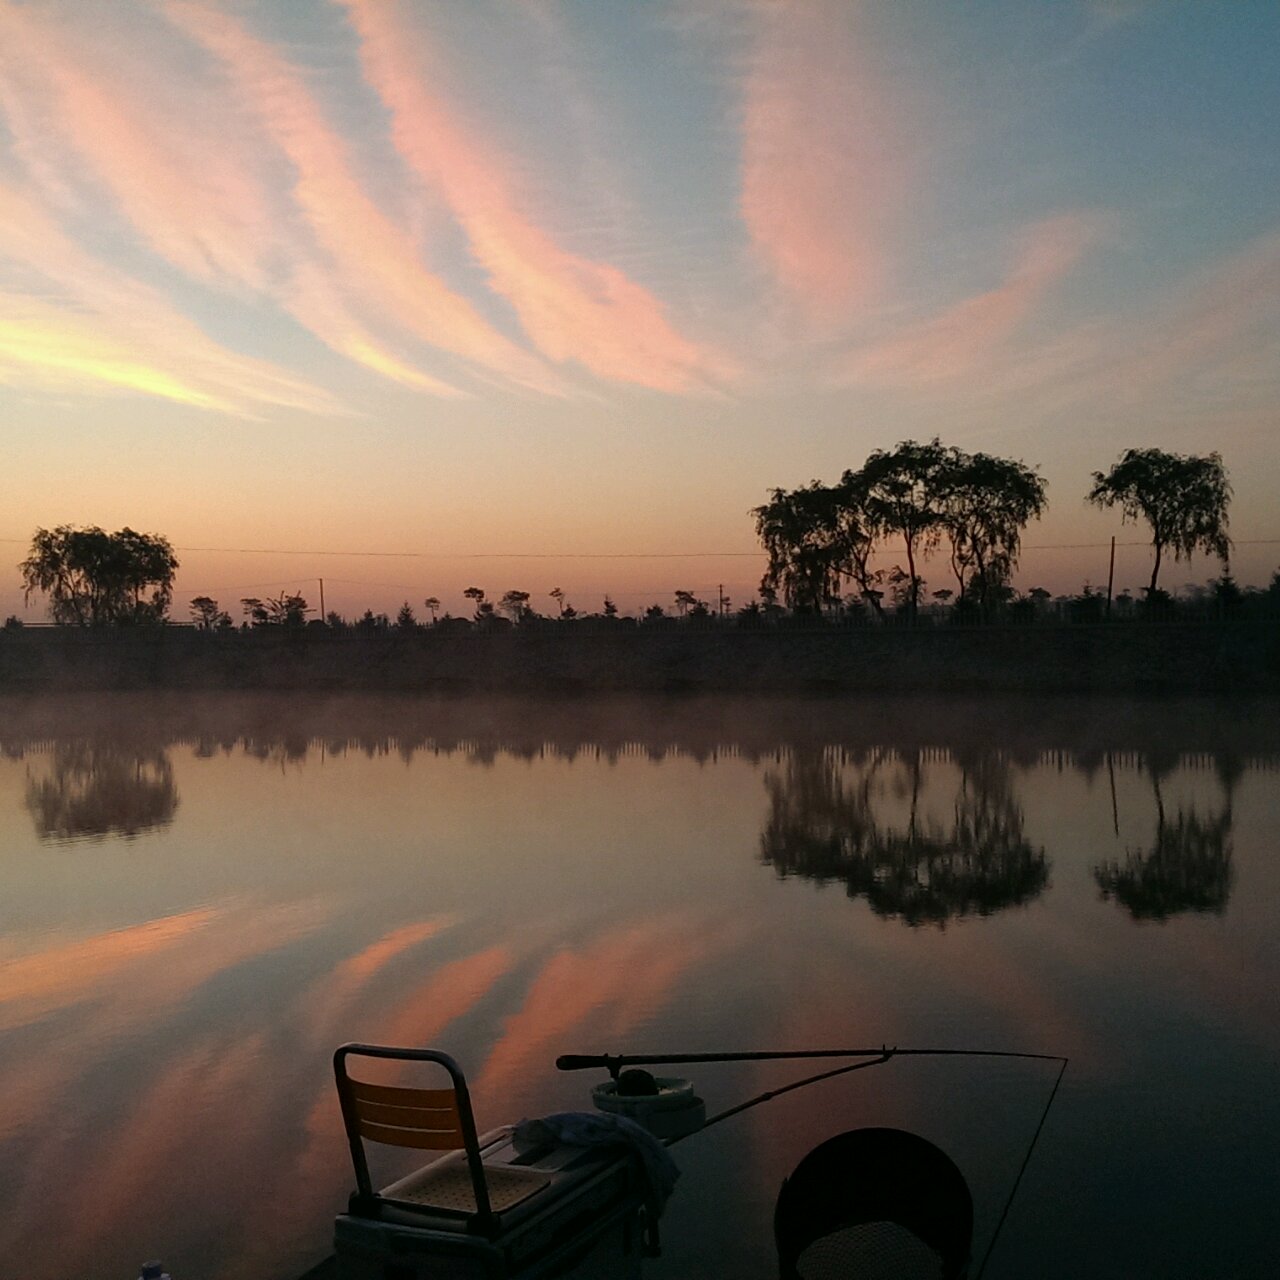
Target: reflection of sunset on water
x,y
612,985
171,1003
38,983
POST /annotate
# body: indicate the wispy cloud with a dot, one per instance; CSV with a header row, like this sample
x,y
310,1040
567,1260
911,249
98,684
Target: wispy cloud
x,y
196,199
968,335
84,324
194,202
571,307
1223,321
372,258
823,154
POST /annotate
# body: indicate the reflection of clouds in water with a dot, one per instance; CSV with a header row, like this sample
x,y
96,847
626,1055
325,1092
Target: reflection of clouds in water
x,y
826,823
612,983
66,973
102,788
162,1059
173,1059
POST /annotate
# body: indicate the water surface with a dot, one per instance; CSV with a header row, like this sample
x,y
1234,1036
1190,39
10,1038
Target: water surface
x,y
202,897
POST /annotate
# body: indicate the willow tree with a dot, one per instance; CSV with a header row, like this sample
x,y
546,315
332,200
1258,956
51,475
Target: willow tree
x,y
857,529
987,503
93,578
905,492
1183,498
805,535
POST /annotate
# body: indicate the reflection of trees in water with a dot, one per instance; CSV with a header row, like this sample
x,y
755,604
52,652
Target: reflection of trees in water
x,y
102,788
1188,866
823,825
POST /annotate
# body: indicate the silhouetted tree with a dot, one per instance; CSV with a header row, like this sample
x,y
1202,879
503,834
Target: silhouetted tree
x,y
206,614
284,610
405,619
800,533
255,611
987,503
685,600
905,494
94,578
858,524
1182,497
515,604
815,537
371,623
557,594
609,609
432,605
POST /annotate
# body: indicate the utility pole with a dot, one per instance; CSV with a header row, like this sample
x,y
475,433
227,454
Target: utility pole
x,y
323,615
1111,574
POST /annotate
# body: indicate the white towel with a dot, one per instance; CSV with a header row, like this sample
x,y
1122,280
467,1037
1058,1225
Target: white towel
x,y
596,1129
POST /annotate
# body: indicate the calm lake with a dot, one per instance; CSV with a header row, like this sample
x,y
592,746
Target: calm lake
x,y
203,896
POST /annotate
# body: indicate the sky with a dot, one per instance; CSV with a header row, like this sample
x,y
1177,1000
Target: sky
x,y
523,294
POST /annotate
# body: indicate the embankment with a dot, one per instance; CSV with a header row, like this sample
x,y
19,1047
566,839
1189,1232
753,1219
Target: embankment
x,y
1183,657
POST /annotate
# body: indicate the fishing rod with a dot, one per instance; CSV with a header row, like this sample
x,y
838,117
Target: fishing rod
x,y
615,1062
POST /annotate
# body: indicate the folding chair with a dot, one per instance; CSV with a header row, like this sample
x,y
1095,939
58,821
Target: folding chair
x,y
457,1186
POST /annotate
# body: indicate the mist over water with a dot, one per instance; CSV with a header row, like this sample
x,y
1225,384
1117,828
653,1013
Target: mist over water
x,y
203,897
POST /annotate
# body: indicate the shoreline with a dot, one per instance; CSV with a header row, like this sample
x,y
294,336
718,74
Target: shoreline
x,y
1218,657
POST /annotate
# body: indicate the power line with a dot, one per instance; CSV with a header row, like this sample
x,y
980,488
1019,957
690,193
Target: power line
x,y
618,555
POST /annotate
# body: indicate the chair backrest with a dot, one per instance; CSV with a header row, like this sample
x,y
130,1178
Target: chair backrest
x,y
428,1119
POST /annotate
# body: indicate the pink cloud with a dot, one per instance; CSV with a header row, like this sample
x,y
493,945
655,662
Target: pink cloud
x,y
822,156
198,200
189,195
91,327
1206,351
970,333
572,308
315,302
374,259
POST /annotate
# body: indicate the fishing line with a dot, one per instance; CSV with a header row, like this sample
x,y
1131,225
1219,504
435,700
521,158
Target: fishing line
x,y
614,1063
786,1088
1026,1160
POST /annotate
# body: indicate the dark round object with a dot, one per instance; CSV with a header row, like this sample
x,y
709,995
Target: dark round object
x,y
854,1191
634,1083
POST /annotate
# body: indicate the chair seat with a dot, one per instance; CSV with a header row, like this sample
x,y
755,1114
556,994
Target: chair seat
x,y
447,1185
871,1251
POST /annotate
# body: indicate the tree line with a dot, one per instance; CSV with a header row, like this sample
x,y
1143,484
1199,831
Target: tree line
x,y
818,539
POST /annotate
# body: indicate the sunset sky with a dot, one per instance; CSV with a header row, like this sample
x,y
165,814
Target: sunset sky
x,y
541,293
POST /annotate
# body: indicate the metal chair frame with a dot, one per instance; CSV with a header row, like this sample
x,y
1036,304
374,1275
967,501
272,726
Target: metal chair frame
x,y
482,1220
